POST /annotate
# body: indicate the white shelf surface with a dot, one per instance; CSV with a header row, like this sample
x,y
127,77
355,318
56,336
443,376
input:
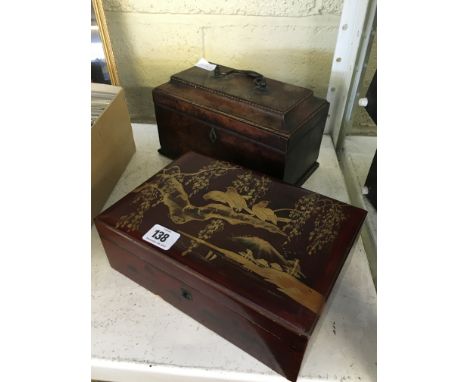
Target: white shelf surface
x,y
138,337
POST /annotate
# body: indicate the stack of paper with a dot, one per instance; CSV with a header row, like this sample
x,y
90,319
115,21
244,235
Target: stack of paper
x,y
101,97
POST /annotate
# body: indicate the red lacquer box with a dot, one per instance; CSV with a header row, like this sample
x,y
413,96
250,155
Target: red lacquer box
x,y
249,257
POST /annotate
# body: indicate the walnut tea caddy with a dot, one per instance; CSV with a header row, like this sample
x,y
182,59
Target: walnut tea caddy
x,y
243,117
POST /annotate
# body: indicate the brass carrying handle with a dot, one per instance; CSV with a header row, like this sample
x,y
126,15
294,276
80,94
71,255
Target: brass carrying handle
x,y
258,79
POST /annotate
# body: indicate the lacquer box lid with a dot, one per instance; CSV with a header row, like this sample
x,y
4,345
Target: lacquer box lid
x,y
267,245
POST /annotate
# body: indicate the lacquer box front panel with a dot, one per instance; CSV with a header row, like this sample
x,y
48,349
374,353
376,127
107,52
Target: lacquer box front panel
x,y
255,259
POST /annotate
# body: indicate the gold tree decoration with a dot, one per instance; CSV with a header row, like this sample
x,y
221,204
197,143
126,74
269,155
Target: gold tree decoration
x,y
149,195
146,198
200,180
326,228
329,214
251,186
206,233
303,209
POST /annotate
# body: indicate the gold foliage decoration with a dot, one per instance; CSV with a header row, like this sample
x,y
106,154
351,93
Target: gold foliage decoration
x,y
303,209
146,198
205,234
326,228
328,215
201,179
251,186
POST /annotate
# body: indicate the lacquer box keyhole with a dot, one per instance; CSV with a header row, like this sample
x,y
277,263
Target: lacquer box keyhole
x,y
186,294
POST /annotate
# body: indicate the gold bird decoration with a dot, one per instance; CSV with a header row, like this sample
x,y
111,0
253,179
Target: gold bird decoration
x,y
261,211
231,197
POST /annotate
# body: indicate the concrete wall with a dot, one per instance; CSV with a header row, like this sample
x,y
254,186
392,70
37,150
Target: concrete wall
x,y
292,41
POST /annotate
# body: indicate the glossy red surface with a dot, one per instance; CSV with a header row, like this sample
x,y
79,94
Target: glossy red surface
x,y
256,258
